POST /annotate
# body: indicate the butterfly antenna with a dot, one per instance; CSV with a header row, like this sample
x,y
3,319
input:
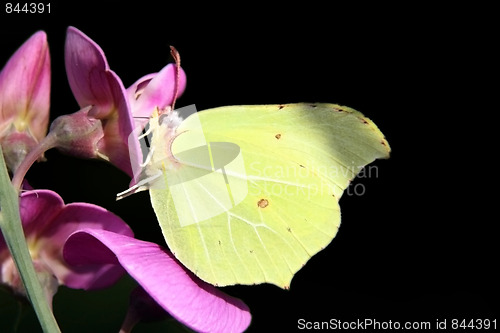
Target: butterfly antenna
x,y
177,57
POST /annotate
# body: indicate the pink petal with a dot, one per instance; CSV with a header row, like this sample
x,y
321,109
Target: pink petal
x,y
115,143
78,216
25,86
92,275
37,209
48,223
93,83
89,76
31,212
193,302
136,89
159,92
133,94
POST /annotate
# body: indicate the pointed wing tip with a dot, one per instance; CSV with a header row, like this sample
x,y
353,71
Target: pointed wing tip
x,y
387,147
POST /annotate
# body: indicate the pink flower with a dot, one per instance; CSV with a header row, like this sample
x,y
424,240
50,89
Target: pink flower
x,y
84,246
25,99
94,84
47,223
156,90
193,302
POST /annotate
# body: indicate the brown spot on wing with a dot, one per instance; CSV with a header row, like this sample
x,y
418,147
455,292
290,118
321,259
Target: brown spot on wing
x,y
278,136
263,203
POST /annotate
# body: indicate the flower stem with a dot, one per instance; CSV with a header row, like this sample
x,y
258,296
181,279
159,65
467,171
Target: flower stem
x,y
47,143
11,227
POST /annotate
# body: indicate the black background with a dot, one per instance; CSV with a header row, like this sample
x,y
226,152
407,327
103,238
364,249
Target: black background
x,y
419,244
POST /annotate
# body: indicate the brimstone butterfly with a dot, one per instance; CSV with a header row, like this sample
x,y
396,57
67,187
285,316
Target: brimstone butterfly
x,y
247,194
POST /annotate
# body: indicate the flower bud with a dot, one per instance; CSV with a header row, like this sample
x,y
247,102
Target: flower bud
x,y
78,134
